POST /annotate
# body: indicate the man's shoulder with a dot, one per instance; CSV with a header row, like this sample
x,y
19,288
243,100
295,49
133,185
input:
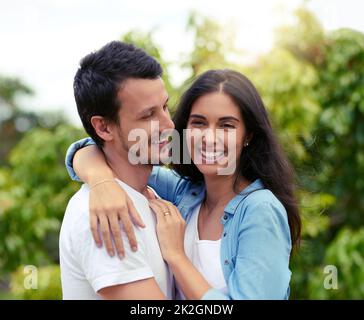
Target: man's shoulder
x,y
77,211
79,199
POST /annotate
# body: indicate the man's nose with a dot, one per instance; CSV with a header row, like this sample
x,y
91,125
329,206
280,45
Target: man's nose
x,y
165,122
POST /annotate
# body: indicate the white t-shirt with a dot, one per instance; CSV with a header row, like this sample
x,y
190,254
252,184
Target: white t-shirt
x,y
85,268
204,255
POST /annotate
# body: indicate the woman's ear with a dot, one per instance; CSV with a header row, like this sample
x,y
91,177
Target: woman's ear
x,y
102,128
247,139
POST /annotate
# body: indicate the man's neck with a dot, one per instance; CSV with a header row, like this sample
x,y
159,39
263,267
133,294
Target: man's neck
x,y
135,176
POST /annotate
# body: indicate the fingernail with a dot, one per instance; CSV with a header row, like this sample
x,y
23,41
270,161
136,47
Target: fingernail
x,y
121,256
134,248
98,245
111,253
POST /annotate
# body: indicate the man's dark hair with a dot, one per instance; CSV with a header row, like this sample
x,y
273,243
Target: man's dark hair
x,y
100,76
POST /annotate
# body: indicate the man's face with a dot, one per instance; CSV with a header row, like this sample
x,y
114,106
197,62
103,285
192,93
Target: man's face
x,y
143,107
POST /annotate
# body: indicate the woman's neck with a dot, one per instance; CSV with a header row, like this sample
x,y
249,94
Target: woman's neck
x,y
220,190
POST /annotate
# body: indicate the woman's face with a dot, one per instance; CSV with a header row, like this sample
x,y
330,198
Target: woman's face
x,y
217,134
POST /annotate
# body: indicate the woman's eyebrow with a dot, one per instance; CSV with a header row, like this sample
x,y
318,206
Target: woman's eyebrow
x,y
229,118
199,116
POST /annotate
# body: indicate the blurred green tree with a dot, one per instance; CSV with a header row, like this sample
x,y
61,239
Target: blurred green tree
x,y
213,44
48,284
34,191
335,153
14,120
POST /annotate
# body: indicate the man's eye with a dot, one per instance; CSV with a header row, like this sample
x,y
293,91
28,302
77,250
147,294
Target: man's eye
x,y
147,116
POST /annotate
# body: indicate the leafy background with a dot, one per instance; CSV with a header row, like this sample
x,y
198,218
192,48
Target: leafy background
x,y
312,83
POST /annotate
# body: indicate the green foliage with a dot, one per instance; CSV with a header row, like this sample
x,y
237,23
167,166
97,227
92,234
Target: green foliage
x,y
13,120
212,44
304,38
341,124
346,253
335,156
34,191
288,93
48,284
314,215
10,89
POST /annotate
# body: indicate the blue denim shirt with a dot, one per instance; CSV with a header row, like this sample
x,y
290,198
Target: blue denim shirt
x,y
256,241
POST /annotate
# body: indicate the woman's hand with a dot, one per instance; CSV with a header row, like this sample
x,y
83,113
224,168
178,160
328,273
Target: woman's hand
x,y
170,229
109,204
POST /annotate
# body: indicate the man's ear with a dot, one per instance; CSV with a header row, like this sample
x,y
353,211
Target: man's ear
x,y
102,128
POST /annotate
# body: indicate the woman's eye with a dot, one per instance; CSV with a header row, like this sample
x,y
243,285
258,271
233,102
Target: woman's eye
x,y
227,125
197,123
165,107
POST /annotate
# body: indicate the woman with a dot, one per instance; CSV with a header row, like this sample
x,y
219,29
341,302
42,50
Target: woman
x,y
241,227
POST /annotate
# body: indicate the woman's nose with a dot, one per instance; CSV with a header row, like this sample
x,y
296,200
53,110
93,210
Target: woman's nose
x,y
208,137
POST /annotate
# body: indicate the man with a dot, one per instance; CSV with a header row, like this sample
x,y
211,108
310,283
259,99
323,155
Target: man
x,y
117,89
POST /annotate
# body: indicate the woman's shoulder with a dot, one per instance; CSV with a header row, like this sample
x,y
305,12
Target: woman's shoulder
x,y
263,197
260,204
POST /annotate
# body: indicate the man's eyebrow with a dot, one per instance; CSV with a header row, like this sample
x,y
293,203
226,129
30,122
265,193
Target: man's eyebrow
x,y
152,107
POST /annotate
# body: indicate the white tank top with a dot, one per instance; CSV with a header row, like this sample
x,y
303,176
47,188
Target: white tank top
x,y
204,254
